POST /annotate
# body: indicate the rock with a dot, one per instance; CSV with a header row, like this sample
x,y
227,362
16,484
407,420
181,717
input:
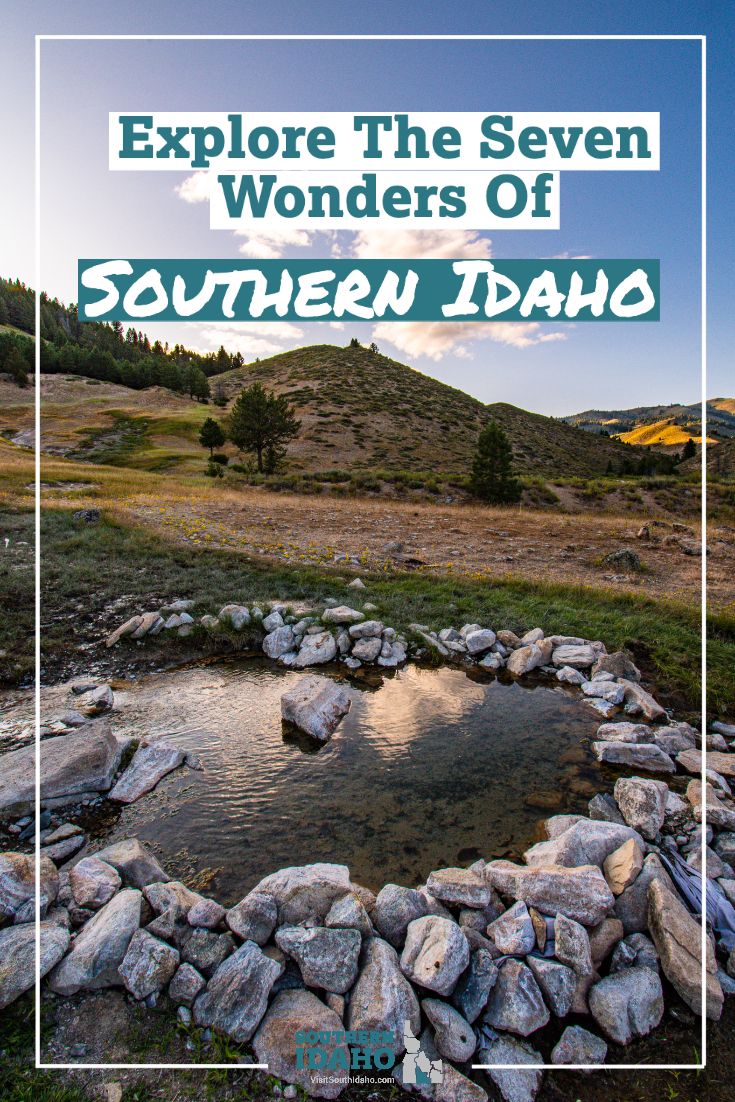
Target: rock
x,y
136,865
272,621
514,1086
508,639
724,847
491,662
578,656
453,1036
473,989
603,938
254,917
396,657
718,814
342,614
516,1004
624,559
558,983
678,940
477,642
73,719
572,945
367,650
513,932
274,1044
382,997
525,659
65,849
631,906
100,700
279,642
237,994
636,949
618,664
724,764
185,985
578,1046
604,690
640,702
635,733
93,882
580,893
305,893
395,907
315,705
148,965
100,947
18,886
570,676
642,804
587,842
459,887
603,809
649,758
18,956
150,624
327,958
119,633
368,629
622,867
204,949
172,899
726,729
357,583
672,740
627,1004
348,913
316,649
151,762
435,954
81,761
207,913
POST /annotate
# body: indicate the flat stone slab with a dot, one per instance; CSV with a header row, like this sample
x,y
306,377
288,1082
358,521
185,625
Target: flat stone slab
x,y
82,761
149,765
315,706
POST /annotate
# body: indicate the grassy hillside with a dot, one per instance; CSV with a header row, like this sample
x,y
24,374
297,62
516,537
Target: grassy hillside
x,y
361,410
666,433
720,420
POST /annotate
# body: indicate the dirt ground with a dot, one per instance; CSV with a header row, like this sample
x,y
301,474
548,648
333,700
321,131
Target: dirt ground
x,y
454,540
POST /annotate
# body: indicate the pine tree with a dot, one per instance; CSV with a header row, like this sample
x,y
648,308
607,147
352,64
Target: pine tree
x,y
16,366
260,420
492,469
211,435
690,449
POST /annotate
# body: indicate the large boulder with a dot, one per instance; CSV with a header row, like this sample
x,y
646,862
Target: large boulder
x,y
436,953
93,882
151,762
454,1037
82,761
395,907
475,984
525,659
650,758
678,939
315,705
625,732
315,650
618,664
516,1004
18,886
326,958
572,945
623,866
254,917
382,997
578,1046
719,815
275,1045
631,906
514,1086
639,702
513,931
642,803
579,892
558,983
342,614
100,947
586,842
18,956
459,887
236,996
627,1004
578,656
148,965
280,641
136,864
305,893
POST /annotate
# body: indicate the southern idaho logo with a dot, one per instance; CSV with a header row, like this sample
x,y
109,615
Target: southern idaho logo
x,y
417,1069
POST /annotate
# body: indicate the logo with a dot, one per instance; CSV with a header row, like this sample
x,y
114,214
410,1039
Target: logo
x,y
417,1069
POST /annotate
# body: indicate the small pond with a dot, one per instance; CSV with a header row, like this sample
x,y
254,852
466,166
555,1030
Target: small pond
x,y
431,767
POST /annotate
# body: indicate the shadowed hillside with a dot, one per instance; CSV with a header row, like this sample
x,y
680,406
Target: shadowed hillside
x,y
360,409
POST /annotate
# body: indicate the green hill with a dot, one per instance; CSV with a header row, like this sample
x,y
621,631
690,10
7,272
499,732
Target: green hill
x,y
361,410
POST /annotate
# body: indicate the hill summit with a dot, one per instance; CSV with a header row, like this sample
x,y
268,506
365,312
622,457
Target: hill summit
x,y
362,410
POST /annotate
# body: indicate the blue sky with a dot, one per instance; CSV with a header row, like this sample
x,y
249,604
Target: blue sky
x,y
88,211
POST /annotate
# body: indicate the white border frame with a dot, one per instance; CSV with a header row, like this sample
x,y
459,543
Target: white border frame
x,y
364,38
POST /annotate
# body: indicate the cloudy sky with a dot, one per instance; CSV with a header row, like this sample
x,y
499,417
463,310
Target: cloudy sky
x,y
88,211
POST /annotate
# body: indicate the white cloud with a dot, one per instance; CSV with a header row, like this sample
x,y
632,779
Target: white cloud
x,y
398,244
195,188
269,245
264,338
438,339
